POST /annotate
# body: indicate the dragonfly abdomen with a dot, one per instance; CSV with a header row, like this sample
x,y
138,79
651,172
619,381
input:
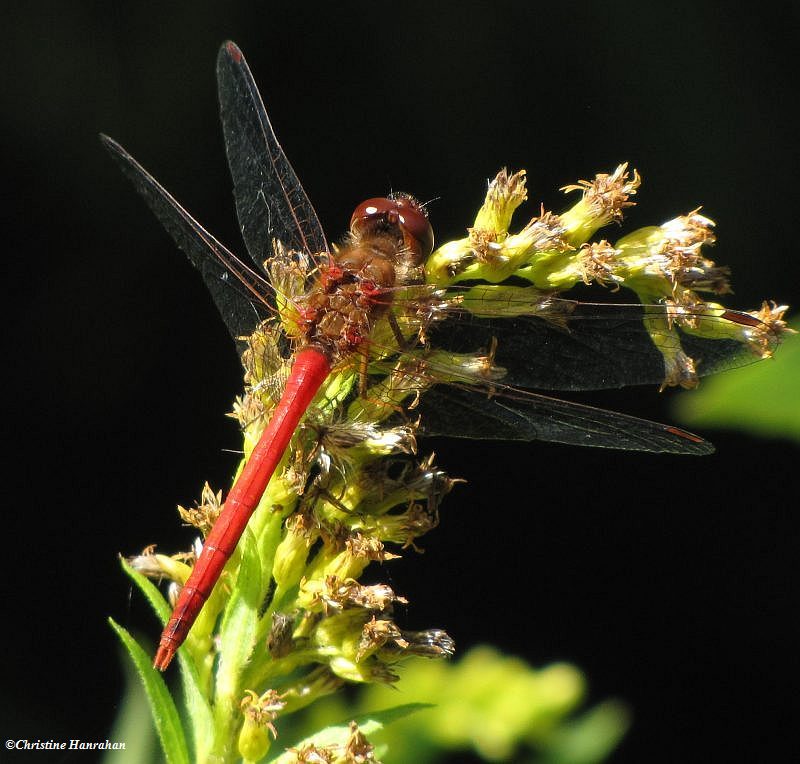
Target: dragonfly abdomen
x,y
310,369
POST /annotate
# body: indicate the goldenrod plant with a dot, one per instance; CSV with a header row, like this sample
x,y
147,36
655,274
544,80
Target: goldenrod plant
x,y
291,622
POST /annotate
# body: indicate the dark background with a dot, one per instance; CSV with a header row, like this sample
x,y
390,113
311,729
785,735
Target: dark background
x,y
670,581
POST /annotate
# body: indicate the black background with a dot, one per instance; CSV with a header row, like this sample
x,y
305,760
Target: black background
x,y
670,581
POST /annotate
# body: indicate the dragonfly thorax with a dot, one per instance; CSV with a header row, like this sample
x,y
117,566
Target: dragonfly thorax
x,y
388,242
352,292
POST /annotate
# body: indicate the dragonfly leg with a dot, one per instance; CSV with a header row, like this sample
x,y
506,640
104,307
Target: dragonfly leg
x,y
327,496
403,343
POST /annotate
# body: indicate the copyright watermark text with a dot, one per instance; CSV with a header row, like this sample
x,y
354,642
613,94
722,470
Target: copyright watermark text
x,y
24,744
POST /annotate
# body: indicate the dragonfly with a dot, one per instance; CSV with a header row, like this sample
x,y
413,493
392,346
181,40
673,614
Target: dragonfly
x,y
365,304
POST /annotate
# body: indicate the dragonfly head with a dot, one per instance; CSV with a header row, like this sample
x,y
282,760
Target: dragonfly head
x,y
400,213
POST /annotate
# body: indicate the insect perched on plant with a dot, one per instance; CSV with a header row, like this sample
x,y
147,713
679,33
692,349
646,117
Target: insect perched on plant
x,y
383,328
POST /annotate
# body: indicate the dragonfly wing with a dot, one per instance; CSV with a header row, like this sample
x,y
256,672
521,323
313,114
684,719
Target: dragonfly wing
x,y
270,201
462,413
236,289
591,346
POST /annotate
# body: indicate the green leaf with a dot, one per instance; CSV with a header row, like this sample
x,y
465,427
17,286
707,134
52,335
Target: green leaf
x,y
589,739
197,706
760,399
150,591
239,627
337,734
133,724
165,715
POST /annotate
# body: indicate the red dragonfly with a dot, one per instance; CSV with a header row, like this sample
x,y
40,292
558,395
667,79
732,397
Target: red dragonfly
x,y
552,344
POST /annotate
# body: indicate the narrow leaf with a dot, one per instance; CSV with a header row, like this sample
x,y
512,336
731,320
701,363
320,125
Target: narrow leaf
x,y
239,627
165,715
197,706
194,696
133,724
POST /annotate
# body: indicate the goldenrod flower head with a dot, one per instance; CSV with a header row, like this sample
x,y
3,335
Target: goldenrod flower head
x,y
334,595
674,251
602,202
310,753
292,553
161,566
205,513
505,193
762,335
597,263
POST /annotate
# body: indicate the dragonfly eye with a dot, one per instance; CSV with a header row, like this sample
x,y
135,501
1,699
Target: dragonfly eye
x,y
401,210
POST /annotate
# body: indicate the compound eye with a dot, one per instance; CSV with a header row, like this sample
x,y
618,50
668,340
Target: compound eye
x,y
402,211
374,210
414,222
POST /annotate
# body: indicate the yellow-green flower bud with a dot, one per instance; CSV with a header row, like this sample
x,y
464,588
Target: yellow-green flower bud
x,y
448,261
292,552
259,713
254,740
340,634
318,683
370,670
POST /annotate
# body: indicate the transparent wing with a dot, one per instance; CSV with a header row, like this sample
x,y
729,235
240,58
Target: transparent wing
x,y
240,294
270,201
463,413
594,346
